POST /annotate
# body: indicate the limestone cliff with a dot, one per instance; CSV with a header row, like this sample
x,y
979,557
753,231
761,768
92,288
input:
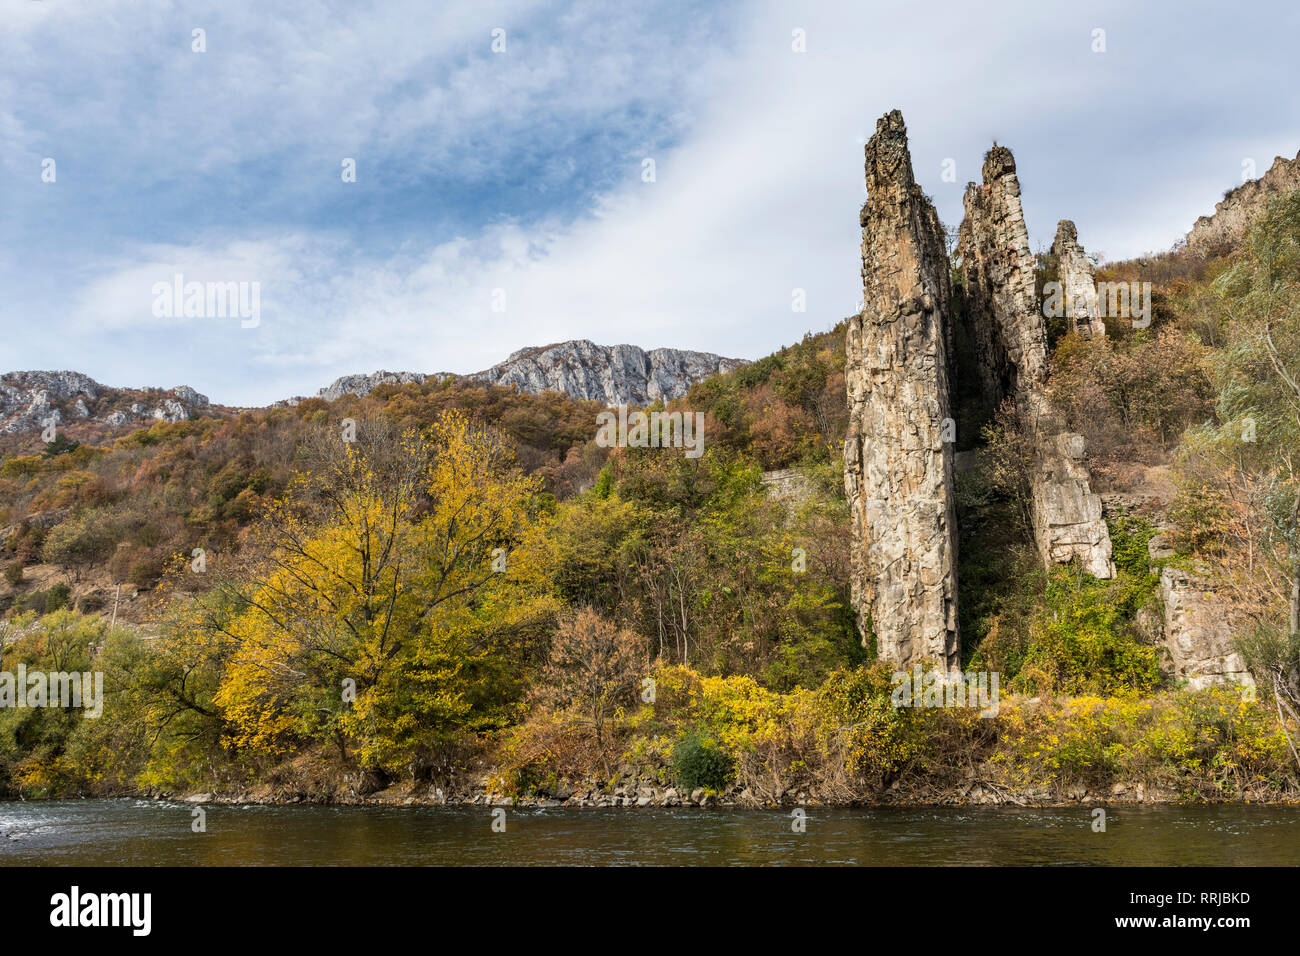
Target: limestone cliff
x,y
613,374
1199,628
362,384
1218,233
1007,326
33,400
898,467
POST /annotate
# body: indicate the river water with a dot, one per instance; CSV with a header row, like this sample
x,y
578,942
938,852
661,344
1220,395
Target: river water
x,y
138,832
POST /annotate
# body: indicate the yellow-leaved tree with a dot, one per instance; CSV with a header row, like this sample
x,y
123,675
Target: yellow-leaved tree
x,y
405,580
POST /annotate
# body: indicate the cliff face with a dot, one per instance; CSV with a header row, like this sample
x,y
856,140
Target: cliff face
x,y
364,384
1199,629
1004,313
999,272
1218,233
32,400
1078,281
613,374
898,467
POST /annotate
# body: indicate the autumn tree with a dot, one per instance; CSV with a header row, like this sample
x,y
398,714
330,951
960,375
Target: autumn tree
x,y
1238,509
79,542
1257,444
593,665
405,579
1131,398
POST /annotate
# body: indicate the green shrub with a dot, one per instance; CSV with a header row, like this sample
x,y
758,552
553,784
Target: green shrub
x,y
1129,537
700,761
56,598
14,573
874,737
81,541
1082,642
61,445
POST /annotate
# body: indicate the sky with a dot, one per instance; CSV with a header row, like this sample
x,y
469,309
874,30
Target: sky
x,y
503,196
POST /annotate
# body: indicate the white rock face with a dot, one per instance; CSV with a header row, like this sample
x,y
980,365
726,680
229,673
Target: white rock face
x,y
171,411
1199,625
788,486
189,397
365,384
613,374
31,400
1067,516
57,384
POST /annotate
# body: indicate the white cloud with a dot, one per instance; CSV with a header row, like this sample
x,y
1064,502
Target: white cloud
x,y
757,195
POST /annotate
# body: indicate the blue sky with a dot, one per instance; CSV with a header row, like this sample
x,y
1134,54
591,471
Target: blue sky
x,y
521,170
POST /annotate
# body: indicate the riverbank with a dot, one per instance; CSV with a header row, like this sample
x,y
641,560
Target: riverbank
x,y
977,794
685,740
646,775
726,743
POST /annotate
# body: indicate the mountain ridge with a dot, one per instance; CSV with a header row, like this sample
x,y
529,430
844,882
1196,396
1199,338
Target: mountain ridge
x,y
615,374
35,399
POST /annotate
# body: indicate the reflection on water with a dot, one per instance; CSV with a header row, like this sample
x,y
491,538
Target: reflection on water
x,y
137,832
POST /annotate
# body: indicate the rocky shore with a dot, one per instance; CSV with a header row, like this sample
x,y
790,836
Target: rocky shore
x,y
632,791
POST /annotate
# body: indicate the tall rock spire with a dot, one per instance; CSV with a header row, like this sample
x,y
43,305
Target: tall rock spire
x,y
898,456
1078,281
1009,330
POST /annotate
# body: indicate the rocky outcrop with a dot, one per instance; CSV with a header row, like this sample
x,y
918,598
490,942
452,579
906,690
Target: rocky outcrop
x,y
56,385
898,466
365,384
32,400
1220,232
1067,516
1010,339
1078,281
1199,628
613,374
999,274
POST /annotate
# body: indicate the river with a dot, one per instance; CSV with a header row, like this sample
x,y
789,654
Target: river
x,y
139,832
